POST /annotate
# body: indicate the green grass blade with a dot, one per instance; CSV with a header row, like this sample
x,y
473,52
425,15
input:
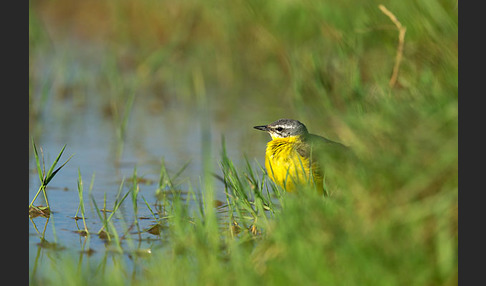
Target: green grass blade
x,y
55,162
149,208
39,169
91,184
80,195
181,170
117,205
51,175
98,212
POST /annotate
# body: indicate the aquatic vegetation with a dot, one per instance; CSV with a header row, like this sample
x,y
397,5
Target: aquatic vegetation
x,y
45,178
155,84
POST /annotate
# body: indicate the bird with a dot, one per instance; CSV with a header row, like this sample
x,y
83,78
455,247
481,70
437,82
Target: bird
x,y
291,158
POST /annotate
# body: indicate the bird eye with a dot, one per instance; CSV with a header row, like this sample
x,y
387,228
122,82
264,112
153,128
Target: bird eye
x,y
279,129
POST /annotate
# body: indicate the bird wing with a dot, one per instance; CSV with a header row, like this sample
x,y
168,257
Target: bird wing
x,y
320,141
315,145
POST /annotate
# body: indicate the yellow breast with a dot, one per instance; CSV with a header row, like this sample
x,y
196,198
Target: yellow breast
x,y
287,167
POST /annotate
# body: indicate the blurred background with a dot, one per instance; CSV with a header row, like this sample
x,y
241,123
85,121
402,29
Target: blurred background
x,y
145,74
131,83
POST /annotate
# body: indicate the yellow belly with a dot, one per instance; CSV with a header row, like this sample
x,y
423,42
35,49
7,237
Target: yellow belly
x,y
287,168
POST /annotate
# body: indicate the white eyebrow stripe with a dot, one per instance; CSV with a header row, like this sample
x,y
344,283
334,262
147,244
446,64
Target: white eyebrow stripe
x,y
287,126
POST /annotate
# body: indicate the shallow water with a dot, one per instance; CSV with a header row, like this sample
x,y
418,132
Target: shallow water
x,y
74,87
172,134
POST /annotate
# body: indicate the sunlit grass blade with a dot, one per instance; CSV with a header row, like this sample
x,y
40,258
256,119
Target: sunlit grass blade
x,y
256,186
106,219
81,201
178,173
45,178
91,184
100,216
49,173
233,181
164,178
118,204
97,209
149,208
134,190
39,169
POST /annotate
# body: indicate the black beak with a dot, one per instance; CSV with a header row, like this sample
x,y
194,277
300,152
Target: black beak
x,y
262,128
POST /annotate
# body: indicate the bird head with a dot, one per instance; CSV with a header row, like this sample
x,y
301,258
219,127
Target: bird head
x,y
283,128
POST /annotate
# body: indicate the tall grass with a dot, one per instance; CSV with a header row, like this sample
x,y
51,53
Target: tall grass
x,y
304,238
310,55
391,214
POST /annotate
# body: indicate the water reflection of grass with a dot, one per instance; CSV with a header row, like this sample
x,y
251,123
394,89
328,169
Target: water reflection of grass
x,y
391,218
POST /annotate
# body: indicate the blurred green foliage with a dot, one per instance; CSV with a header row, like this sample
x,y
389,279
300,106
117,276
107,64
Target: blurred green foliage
x,y
393,215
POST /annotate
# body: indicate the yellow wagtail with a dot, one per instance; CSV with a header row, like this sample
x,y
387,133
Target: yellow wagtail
x,y
290,157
